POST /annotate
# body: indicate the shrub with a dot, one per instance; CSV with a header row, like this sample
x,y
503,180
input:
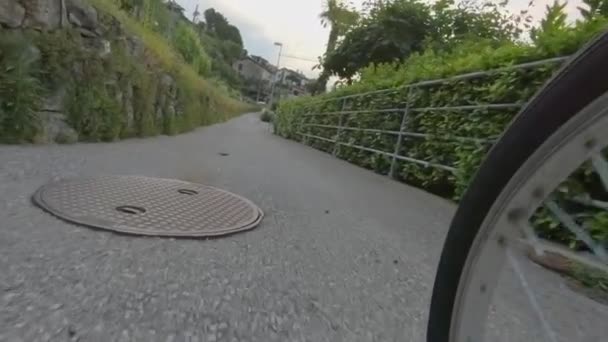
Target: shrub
x,y
267,116
187,42
93,110
20,88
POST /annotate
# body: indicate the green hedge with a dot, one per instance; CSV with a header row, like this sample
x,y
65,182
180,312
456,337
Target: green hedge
x,y
509,86
504,86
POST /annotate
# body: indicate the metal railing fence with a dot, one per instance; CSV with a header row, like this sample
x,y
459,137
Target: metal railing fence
x,y
343,102
308,119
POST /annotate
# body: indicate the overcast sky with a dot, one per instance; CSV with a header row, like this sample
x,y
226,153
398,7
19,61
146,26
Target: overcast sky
x,y
296,24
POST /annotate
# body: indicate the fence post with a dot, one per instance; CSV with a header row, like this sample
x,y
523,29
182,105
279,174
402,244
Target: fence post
x,y
404,116
303,127
292,114
340,124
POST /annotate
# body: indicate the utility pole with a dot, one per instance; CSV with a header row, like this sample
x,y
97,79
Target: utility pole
x,y
257,98
274,81
195,14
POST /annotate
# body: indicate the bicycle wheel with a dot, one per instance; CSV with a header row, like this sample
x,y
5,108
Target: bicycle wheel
x,y
563,126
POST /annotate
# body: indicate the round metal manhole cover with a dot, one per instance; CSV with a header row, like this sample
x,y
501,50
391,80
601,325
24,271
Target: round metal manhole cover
x,y
149,206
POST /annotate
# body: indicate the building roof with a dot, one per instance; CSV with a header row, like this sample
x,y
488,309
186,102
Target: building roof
x,y
297,73
262,62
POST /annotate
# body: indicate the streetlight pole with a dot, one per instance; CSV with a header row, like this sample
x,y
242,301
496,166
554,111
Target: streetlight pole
x,y
274,81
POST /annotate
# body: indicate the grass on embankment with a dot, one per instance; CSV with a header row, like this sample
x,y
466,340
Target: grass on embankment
x,y
186,77
103,97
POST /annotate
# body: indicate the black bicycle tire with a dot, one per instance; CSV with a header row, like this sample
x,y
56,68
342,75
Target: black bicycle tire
x,y
572,88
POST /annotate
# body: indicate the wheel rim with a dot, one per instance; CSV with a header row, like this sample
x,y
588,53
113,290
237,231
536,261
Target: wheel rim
x,y
581,139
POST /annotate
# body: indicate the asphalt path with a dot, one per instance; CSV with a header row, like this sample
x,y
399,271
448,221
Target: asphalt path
x,y
342,254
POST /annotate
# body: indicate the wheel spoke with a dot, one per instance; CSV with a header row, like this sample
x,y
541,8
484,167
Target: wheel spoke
x,y
588,201
533,239
575,229
553,196
531,296
601,167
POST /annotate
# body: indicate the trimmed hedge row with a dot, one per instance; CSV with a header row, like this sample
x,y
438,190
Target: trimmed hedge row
x,y
441,126
384,111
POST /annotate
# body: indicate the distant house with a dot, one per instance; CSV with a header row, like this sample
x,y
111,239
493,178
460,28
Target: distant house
x,y
258,74
255,68
291,83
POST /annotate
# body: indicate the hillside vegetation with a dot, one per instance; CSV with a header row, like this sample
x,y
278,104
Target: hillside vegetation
x,y
111,73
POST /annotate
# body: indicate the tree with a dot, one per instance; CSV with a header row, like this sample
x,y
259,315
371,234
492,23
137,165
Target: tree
x,y
232,34
133,7
593,9
311,86
553,23
231,51
213,19
188,43
201,26
339,17
453,23
218,25
391,31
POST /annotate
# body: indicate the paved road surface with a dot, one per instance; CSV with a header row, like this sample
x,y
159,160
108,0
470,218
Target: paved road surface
x,y
343,254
